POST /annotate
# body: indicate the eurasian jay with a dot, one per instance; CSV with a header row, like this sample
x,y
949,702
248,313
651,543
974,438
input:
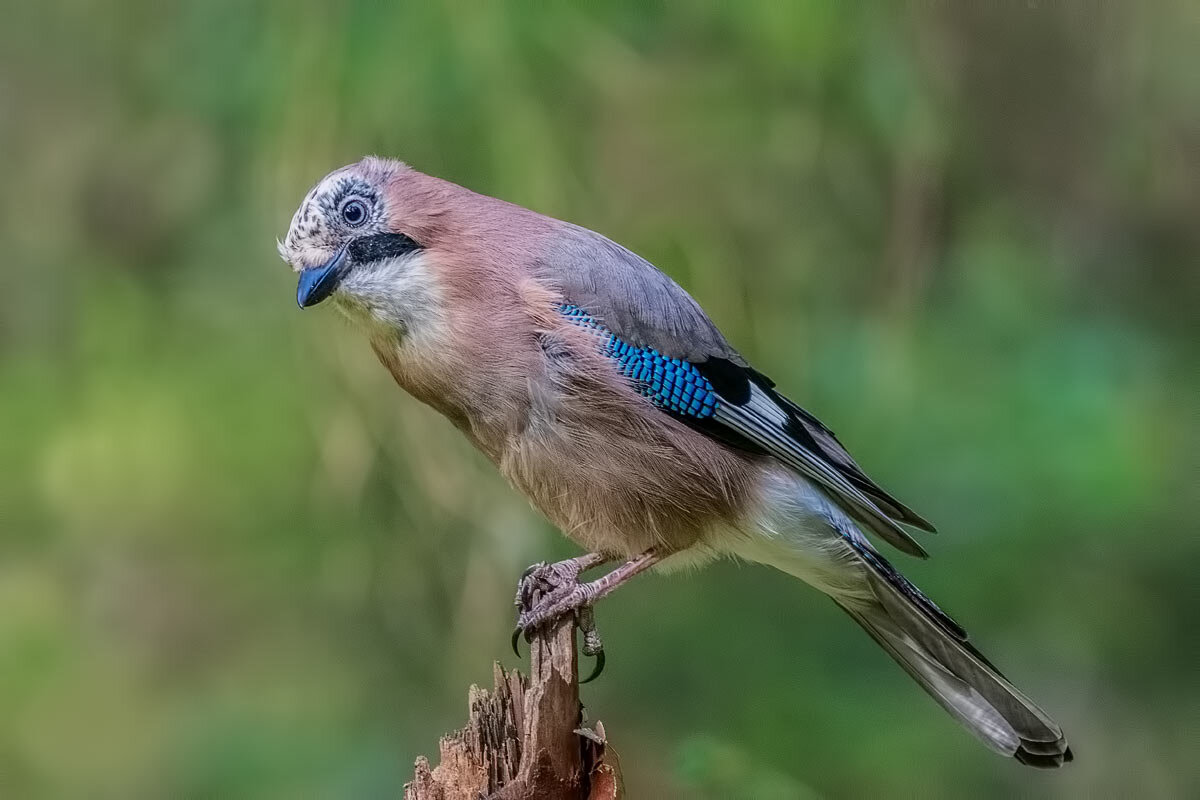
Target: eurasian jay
x,y
603,392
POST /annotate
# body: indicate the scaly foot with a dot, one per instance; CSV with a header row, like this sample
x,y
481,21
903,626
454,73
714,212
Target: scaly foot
x,y
549,588
548,591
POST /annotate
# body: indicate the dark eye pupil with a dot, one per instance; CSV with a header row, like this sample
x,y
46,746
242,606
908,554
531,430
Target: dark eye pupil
x,y
354,212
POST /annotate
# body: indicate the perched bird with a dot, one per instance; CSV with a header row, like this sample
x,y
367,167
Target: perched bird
x,y
603,392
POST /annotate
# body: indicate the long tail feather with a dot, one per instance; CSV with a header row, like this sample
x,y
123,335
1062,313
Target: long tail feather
x,y
959,677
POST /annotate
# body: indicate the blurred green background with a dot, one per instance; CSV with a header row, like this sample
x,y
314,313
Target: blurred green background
x,y
236,562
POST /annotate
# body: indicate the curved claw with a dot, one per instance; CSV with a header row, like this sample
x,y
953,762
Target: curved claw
x,y
596,670
531,569
516,640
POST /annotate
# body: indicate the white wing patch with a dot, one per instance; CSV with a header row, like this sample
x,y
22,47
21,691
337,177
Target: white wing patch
x,y
763,422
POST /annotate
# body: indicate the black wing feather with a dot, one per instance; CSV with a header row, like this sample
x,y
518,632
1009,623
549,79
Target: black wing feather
x,y
754,411
806,428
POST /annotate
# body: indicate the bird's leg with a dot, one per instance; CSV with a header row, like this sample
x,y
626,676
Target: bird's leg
x,y
542,581
550,590
585,594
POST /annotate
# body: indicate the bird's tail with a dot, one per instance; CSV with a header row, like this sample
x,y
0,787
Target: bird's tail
x,y
935,652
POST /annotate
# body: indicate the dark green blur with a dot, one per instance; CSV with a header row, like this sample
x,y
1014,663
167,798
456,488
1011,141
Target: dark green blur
x,y
236,562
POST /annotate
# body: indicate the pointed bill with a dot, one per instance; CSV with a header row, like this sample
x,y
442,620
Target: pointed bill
x,y
317,283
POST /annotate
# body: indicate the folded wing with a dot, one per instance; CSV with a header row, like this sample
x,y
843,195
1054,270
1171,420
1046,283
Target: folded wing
x,y
675,356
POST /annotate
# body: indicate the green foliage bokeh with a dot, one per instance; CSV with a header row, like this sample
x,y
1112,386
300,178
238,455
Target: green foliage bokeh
x,y
236,562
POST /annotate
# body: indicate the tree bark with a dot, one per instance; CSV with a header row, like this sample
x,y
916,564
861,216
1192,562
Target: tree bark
x,y
525,738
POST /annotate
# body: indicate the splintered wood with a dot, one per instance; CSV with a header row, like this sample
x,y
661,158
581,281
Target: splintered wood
x,y
523,739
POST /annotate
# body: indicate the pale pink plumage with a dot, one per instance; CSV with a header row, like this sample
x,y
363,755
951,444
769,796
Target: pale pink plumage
x,y
468,321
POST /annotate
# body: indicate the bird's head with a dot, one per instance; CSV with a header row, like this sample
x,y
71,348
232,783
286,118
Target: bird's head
x,y
356,237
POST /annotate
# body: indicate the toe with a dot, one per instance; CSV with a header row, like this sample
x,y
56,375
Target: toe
x,y
516,640
596,669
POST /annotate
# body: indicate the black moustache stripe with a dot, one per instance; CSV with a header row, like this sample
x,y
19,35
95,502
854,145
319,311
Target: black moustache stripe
x,y
380,246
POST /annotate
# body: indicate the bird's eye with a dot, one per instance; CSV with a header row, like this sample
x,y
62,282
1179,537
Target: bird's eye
x,y
354,213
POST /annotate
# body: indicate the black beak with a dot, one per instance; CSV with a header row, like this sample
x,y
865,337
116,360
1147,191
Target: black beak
x,y
317,283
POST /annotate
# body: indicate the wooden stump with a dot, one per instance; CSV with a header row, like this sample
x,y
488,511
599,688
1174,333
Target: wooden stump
x,y
524,739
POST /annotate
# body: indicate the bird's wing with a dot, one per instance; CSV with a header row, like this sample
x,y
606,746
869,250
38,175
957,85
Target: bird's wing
x,y
668,347
634,298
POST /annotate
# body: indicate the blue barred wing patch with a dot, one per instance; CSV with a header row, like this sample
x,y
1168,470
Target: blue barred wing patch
x,y
670,383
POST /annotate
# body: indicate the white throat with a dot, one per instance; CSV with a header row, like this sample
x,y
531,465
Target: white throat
x,y
398,294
